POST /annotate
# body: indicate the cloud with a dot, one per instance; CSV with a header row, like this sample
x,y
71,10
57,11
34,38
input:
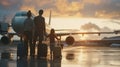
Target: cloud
x,y
93,27
35,6
38,3
72,8
96,2
8,8
66,8
88,8
105,9
105,29
106,14
7,3
90,26
115,21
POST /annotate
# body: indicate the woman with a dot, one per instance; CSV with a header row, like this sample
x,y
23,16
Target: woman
x,y
28,33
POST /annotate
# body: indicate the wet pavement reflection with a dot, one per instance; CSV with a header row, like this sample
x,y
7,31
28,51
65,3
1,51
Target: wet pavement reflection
x,y
8,54
76,56
91,57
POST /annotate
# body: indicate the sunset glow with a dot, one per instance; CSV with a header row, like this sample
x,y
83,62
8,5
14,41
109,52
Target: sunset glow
x,y
67,8
83,15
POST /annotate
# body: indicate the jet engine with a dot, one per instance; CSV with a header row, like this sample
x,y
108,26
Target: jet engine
x,y
70,40
5,40
4,32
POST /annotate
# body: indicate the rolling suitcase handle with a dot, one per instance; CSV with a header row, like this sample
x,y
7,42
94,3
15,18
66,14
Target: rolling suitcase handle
x,y
59,44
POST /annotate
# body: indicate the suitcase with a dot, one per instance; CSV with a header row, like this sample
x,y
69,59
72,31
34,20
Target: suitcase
x,y
42,50
21,50
57,51
59,44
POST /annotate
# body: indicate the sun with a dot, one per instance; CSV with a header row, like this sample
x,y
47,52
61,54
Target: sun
x,y
83,38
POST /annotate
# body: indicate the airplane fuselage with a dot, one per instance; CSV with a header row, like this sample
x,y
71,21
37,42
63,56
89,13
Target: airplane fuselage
x,y
18,22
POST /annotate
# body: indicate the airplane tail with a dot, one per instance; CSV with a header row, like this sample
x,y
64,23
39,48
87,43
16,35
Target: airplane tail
x,y
50,18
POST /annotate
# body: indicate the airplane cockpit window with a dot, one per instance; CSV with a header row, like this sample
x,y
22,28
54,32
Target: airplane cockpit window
x,y
21,14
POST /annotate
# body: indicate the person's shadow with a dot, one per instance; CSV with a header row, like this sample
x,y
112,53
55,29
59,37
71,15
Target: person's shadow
x,y
55,62
32,63
3,63
22,63
42,63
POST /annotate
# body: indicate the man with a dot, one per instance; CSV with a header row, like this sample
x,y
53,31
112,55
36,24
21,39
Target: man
x,y
40,30
28,33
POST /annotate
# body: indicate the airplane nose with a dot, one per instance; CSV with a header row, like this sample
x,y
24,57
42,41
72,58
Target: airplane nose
x,y
18,24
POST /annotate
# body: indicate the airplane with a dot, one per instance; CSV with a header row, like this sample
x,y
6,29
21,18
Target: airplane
x,y
18,21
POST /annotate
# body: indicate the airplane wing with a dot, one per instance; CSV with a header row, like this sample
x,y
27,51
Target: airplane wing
x,y
117,31
70,39
13,34
74,33
66,30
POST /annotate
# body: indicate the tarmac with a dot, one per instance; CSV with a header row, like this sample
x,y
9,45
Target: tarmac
x,y
72,56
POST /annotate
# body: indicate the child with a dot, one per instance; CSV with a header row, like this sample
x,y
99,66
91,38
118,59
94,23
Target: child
x,y
52,37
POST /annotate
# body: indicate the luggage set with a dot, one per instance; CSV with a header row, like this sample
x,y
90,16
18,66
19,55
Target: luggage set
x,y
42,50
21,50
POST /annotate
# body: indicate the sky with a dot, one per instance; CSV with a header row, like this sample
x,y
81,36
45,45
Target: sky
x,y
86,15
65,8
